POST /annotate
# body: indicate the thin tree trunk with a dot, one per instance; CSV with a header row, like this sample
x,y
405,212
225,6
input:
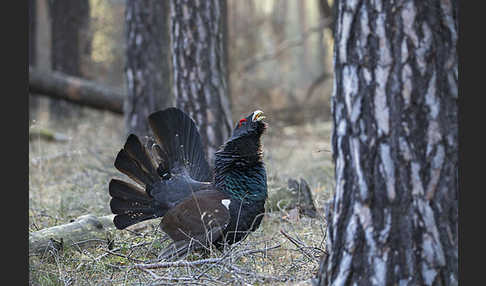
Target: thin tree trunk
x,y
68,19
321,44
148,72
325,12
32,29
248,16
226,59
304,51
199,68
395,145
279,20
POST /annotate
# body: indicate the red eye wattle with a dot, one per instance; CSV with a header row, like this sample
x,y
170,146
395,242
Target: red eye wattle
x,y
241,121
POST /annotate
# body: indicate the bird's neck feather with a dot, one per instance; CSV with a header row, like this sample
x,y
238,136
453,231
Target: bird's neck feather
x,y
241,172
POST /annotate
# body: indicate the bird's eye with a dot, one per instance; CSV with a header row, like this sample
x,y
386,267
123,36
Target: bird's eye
x,y
241,121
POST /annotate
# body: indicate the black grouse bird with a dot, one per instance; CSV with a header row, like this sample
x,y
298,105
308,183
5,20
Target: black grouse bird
x,y
199,207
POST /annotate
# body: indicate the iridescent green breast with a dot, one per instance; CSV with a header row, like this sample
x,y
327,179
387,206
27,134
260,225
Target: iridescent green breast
x,y
246,185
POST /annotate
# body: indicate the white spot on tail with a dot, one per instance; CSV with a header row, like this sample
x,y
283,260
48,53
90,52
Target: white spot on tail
x,y
226,203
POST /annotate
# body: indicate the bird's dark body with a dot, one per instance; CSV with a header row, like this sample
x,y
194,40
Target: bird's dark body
x,y
247,188
198,206
251,215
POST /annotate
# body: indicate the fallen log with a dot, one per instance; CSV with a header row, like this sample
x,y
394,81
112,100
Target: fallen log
x,y
82,231
76,90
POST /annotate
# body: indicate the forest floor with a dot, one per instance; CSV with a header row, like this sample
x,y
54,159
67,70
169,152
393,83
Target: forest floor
x,y
69,179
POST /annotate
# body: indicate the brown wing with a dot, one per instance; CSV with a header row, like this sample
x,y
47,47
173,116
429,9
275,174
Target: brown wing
x,y
201,217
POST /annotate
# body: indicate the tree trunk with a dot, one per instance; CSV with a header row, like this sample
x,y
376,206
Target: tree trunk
x,y
329,11
325,12
68,20
303,52
33,102
200,74
279,20
148,72
225,44
394,218
321,46
32,28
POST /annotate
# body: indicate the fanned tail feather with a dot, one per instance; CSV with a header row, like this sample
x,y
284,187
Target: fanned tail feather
x,y
134,161
179,149
130,204
180,143
138,152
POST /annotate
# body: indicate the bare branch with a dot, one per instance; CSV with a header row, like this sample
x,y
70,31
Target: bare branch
x,y
303,247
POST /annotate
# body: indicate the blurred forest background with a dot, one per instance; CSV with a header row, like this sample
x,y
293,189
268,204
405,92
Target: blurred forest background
x,y
279,61
279,53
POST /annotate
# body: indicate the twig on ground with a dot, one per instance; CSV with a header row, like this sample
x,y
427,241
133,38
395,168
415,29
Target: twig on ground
x,y
265,278
151,273
107,252
303,247
124,256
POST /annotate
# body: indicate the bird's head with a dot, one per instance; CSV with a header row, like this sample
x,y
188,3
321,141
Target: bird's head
x,y
245,139
252,125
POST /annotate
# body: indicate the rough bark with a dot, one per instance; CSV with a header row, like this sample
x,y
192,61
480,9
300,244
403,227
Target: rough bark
x,y
225,44
68,18
75,90
394,217
199,68
148,72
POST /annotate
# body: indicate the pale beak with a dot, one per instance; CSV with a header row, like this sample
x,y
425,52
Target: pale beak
x,y
257,116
